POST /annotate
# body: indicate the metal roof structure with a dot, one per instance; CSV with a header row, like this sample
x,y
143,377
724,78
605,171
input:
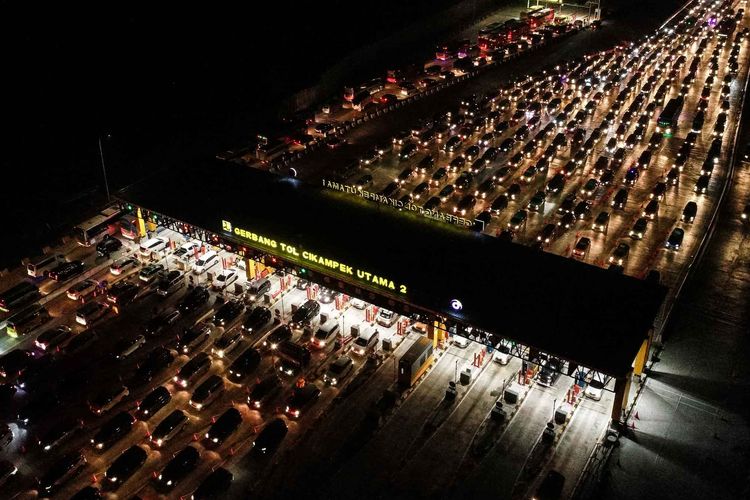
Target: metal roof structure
x,y
585,314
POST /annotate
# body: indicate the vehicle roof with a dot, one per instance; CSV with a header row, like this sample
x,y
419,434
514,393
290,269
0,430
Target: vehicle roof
x,y
602,327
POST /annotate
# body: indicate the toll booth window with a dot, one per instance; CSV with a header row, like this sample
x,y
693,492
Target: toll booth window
x,y
358,291
391,303
371,296
326,279
340,284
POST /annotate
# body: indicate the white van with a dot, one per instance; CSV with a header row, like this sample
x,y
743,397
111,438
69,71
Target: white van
x,y
153,245
41,265
326,333
206,262
366,342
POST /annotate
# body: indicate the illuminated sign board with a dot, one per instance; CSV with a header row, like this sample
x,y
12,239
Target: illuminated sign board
x,y
298,254
392,202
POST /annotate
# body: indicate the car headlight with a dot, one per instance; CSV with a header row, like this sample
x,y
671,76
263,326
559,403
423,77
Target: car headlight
x,y
113,479
47,447
215,440
99,446
169,483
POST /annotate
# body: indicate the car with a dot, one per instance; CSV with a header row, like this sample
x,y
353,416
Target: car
x,y
460,341
689,212
551,487
278,336
80,341
620,199
518,221
207,392
113,430
108,245
701,185
89,313
170,282
122,293
657,193
327,296
305,314
66,271
651,210
358,303
589,188
499,204
644,160
156,361
215,485
631,176
152,245
123,264
582,209
595,388
257,320
582,247
107,399
446,192
225,344
152,403
338,370
547,234
301,399
59,433
168,428
162,321
182,464
52,338
124,467
193,337
62,470
745,215
674,242
620,254
386,318
536,204
225,278
556,184
601,223
195,298
550,373
263,391
187,250
128,345
150,273
269,439
14,363
228,312
639,229
223,427
193,370
83,289
245,364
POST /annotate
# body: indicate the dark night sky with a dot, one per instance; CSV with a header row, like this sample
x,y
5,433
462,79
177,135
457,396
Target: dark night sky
x,y
156,74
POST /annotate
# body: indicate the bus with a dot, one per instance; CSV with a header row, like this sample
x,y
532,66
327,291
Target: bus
x,y
92,231
20,295
538,17
667,122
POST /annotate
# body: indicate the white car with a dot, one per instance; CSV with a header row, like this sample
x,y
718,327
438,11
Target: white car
x,y
501,354
187,250
121,265
594,389
153,245
358,304
225,278
129,346
386,318
460,342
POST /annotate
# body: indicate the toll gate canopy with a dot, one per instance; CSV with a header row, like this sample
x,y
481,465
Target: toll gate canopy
x,y
585,314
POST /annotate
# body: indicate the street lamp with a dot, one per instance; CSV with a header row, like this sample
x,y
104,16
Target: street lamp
x,y
104,169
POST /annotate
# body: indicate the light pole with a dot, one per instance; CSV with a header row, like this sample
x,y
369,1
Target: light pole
x,y
104,169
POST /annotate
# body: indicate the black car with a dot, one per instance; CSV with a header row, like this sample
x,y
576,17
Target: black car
x,y
66,271
39,408
550,373
551,487
499,204
228,312
88,493
620,199
301,399
59,433
556,184
225,426
124,467
689,212
113,430
305,313
192,301
245,364
14,363
162,321
153,402
214,486
192,338
270,438
263,391
157,360
122,293
182,464
63,470
278,336
108,245
37,373
259,318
